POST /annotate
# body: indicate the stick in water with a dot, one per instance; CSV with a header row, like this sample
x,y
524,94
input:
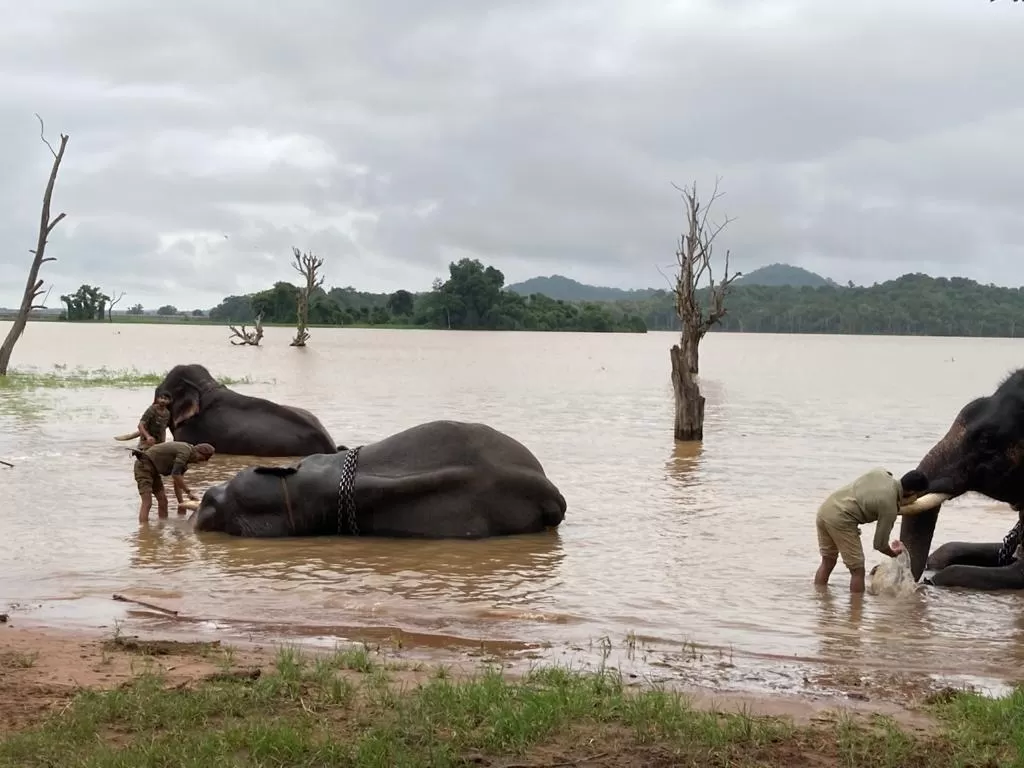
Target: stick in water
x,y
6,463
143,603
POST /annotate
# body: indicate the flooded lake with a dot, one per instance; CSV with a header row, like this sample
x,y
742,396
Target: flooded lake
x,y
711,546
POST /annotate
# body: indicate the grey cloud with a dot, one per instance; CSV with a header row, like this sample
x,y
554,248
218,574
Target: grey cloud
x,y
860,140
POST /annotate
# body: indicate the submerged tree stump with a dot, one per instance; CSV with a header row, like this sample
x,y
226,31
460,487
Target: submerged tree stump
x,y
689,419
693,258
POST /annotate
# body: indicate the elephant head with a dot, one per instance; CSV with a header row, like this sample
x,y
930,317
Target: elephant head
x,y
186,384
205,411
981,452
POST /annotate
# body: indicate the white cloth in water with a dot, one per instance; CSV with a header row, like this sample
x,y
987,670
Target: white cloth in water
x,y
893,577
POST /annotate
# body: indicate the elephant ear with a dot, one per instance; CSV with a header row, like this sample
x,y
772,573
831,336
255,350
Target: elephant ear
x,y
276,471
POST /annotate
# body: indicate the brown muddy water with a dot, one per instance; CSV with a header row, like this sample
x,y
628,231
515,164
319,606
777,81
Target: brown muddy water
x,y
713,546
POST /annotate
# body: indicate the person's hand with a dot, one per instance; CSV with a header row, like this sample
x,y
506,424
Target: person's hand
x,y
149,441
896,546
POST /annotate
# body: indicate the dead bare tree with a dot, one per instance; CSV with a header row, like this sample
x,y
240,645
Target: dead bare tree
x,y
693,260
33,285
247,338
307,265
110,308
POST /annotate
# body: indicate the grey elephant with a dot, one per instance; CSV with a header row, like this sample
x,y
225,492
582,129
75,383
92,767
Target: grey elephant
x,y
205,411
983,452
442,479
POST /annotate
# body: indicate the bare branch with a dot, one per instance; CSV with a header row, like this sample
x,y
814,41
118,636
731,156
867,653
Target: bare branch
x,y
33,283
36,292
42,134
247,338
111,305
54,223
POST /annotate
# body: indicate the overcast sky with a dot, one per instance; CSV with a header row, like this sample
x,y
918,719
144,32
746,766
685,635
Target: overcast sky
x,y
859,140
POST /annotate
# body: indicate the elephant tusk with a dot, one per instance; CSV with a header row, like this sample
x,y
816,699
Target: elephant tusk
x,y
129,436
927,502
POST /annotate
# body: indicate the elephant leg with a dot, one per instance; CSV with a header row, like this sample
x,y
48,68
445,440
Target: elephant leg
x,y
982,555
979,577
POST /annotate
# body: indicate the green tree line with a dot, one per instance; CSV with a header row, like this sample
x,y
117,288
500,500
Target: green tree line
x,y
475,297
912,305
472,298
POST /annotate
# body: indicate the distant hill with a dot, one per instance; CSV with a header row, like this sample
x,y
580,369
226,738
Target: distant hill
x,y
567,289
784,274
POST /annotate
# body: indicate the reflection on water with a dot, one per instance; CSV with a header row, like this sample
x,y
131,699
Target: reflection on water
x,y
711,543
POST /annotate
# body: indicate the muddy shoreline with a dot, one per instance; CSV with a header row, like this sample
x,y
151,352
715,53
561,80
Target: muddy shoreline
x,y
42,664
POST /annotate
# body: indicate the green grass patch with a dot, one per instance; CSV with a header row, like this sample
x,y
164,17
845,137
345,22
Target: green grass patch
x,y
347,710
61,377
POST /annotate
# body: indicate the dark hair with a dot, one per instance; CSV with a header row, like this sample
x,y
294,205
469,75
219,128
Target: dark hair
x,y
914,481
163,393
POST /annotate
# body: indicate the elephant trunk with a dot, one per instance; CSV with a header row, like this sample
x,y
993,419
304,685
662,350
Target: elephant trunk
x,y
916,533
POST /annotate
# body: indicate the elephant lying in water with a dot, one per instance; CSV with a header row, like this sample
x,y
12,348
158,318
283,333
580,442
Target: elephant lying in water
x,y
983,452
442,479
205,411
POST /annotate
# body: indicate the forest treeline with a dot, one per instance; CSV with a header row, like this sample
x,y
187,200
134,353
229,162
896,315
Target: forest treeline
x,y
914,305
475,297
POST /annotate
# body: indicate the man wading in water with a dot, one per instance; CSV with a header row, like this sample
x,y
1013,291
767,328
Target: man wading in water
x,y
874,497
153,424
152,464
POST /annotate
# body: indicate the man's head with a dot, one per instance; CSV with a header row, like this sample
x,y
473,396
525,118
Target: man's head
x,y
914,483
202,452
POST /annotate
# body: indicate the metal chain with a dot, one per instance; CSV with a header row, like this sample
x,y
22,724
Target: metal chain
x,y
1011,541
346,496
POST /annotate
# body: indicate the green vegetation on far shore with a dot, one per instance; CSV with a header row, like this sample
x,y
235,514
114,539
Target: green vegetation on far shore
x,y
61,377
347,710
474,297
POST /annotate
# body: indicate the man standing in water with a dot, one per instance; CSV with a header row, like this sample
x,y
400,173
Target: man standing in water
x,y
153,423
874,497
159,461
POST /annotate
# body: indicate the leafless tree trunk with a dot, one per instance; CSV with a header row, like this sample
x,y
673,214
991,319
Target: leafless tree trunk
x,y
248,338
33,285
307,265
110,309
693,259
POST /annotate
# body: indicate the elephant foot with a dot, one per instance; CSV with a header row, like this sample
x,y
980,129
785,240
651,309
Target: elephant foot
x,y
980,577
982,555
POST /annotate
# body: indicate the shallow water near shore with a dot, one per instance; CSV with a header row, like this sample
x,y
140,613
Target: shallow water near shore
x,y
679,558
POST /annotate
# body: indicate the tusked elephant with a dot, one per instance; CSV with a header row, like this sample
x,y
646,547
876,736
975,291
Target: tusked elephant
x,y
441,479
983,452
205,411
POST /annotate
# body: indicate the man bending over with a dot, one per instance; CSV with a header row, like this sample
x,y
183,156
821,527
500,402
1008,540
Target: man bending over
x,y
159,461
874,497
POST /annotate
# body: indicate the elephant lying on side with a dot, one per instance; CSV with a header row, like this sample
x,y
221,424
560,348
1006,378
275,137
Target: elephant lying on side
x,y
983,452
442,479
205,411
